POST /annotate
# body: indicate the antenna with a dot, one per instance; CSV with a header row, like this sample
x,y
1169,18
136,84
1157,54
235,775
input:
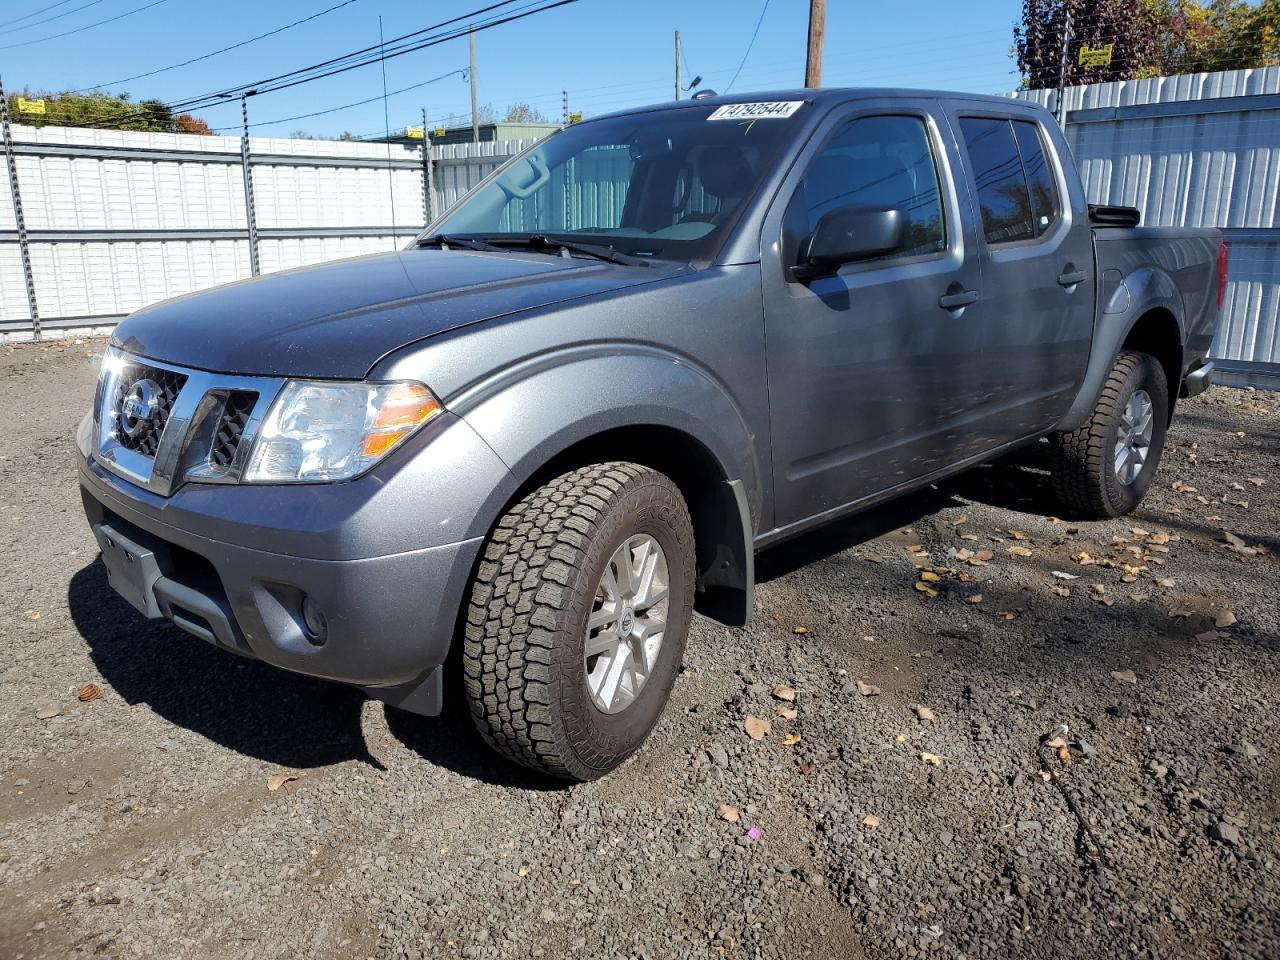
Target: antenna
x,y
386,122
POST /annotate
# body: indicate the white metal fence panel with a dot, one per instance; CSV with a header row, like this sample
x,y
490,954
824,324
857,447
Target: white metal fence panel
x,y
1201,150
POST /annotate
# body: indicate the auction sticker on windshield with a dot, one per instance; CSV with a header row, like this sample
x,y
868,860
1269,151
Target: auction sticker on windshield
x,y
771,110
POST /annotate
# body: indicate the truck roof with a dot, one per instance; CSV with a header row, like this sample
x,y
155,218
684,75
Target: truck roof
x,y
827,96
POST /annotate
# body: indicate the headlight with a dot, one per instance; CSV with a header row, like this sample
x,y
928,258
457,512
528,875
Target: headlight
x,y
319,430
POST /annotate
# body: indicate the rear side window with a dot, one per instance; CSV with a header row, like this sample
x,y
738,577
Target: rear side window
x,y
882,163
1003,196
1044,192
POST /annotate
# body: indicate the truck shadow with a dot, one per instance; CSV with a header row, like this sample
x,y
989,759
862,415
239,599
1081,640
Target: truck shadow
x,y
259,710
243,705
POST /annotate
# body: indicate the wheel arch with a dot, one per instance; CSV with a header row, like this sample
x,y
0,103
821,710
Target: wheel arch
x,y
632,403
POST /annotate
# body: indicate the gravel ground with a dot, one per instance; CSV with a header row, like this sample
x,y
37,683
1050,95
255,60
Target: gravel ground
x,y
1019,765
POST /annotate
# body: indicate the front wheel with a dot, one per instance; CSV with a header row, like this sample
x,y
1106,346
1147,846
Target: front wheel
x,y
1103,468
578,617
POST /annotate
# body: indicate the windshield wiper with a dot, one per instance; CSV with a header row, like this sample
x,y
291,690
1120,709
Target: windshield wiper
x,y
545,244
446,242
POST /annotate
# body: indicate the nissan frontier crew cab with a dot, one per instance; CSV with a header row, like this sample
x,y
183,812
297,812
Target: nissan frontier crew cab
x,y
568,416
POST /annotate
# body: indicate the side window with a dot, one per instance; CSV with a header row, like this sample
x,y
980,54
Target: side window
x,y
881,163
1044,191
997,175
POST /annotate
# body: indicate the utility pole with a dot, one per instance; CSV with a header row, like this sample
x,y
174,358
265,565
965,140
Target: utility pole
x,y
817,31
475,119
677,64
248,183
1060,107
24,248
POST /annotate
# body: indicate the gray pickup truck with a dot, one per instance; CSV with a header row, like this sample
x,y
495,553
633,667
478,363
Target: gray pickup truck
x,y
569,415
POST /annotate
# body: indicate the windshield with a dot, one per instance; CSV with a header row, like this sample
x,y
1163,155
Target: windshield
x,y
665,185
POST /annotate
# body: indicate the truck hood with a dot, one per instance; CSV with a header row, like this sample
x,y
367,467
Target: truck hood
x,y
336,320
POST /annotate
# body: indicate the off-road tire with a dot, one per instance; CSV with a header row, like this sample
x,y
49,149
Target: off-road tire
x,y
1082,466
523,666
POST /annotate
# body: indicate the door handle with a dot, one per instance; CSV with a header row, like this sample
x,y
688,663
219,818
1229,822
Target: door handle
x,y
1072,277
954,301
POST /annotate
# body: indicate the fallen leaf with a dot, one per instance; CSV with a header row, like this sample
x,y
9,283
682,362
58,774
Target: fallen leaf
x,y
1165,582
1256,481
1064,755
1083,558
1124,676
1019,552
874,558
927,590
1066,576
1062,591
32,615
1057,743
784,692
757,728
800,630
728,812
871,821
522,872
928,576
868,689
47,710
925,910
973,598
1225,619
279,780
924,713
1018,534
1210,635
791,739
931,758
90,691
968,536
786,713
1139,532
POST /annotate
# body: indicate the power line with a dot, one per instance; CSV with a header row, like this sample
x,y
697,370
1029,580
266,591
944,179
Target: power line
x,y
755,33
234,46
35,13
56,16
346,106
350,61
88,26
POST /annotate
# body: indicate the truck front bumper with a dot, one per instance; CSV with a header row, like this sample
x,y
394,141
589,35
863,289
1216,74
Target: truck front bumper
x,y
382,623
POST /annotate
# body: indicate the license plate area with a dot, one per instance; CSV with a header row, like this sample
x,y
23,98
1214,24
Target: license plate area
x,y
132,567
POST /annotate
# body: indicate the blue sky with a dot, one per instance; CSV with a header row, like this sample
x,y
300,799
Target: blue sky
x,y
607,53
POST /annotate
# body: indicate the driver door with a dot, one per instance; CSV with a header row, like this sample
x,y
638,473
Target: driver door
x,y
875,372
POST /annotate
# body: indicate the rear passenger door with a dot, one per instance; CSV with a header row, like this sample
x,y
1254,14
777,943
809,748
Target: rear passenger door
x,y
1037,271
875,375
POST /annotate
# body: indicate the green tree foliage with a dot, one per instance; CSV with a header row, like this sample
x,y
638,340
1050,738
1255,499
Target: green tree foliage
x,y
1151,37
102,109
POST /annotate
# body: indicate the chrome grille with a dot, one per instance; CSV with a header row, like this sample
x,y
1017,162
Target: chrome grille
x,y
236,410
160,425
142,434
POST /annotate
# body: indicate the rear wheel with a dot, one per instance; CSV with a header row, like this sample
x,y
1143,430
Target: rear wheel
x,y
1103,468
578,618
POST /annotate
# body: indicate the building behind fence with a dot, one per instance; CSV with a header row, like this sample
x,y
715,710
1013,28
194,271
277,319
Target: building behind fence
x,y
118,219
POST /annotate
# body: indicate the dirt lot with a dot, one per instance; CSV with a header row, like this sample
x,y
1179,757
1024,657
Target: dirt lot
x,y
1095,771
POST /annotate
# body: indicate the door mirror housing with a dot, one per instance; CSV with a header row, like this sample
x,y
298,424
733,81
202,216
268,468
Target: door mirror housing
x,y
848,234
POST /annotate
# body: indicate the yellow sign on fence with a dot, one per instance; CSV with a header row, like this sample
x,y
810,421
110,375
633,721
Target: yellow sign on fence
x,y
1097,57
30,106
575,118
415,133
438,133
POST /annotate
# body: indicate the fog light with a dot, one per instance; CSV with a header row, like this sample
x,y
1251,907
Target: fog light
x,y
313,618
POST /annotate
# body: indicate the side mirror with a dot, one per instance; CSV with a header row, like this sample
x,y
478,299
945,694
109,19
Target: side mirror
x,y
847,234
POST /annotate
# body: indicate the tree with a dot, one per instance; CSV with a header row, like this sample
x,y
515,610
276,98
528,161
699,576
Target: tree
x,y
1129,24
523,113
101,109
1151,37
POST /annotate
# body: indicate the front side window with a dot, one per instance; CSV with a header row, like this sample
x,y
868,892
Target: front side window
x,y
667,184
878,163
997,174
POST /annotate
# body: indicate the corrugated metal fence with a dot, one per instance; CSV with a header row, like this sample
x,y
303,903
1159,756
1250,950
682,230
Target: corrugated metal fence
x,y
1201,150
118,220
